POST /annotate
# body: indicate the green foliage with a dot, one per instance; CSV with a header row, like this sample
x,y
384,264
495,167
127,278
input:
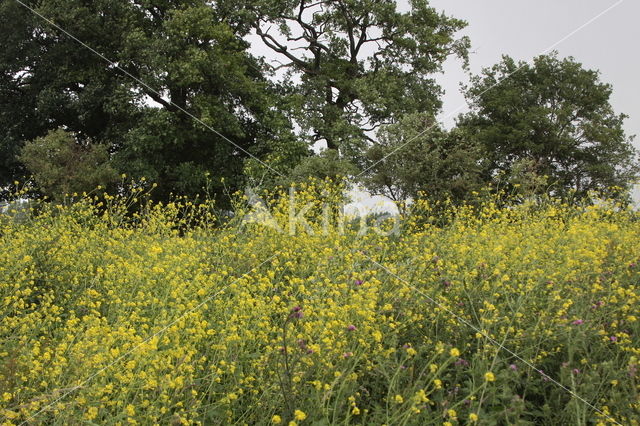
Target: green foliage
x,y
353,65
62,165
327,164
191,57
48,81
555,116
417,156
351,68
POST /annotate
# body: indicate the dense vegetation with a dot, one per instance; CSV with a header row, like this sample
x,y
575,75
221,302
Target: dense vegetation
x,y
505,292
173,91
166,317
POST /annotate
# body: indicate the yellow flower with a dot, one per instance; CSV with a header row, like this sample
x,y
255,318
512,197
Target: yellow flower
x,y
276,419
398,399
355,411
489,376
130,410
299,415
91,413
420,397
473,417
454,352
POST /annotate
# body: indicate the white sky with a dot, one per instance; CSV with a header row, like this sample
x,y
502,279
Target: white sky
x,y
601,40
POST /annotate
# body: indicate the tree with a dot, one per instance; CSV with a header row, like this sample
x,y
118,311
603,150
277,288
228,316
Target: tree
x,y
354,65
442,164
48,81
553,116
325,165
62,165
191,57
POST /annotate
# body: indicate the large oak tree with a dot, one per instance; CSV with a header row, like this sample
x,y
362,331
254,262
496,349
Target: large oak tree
x,y
190,55
354,65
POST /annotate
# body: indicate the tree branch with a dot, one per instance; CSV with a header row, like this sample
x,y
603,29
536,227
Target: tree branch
x,y
274,45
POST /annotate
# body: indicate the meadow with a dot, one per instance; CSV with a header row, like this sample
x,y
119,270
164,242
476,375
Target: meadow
x,y
525,314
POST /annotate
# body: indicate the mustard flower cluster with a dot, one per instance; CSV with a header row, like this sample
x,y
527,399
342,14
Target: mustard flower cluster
x,y
170,316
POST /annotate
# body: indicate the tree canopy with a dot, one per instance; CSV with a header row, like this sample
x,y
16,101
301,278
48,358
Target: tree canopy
x,y
190,57
417,155
172,91
555,116
354,65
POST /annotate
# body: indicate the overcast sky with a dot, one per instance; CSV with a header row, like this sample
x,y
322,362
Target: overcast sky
x,y
601,34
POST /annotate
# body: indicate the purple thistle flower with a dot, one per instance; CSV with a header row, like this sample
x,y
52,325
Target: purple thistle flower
x,y
462,362
359,282
296,312
575,371
303,346
545,378
347,354
613,338
513,367
578,322
351,327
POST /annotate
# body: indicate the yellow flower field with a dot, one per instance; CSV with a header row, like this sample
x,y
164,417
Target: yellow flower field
x,y
518,315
